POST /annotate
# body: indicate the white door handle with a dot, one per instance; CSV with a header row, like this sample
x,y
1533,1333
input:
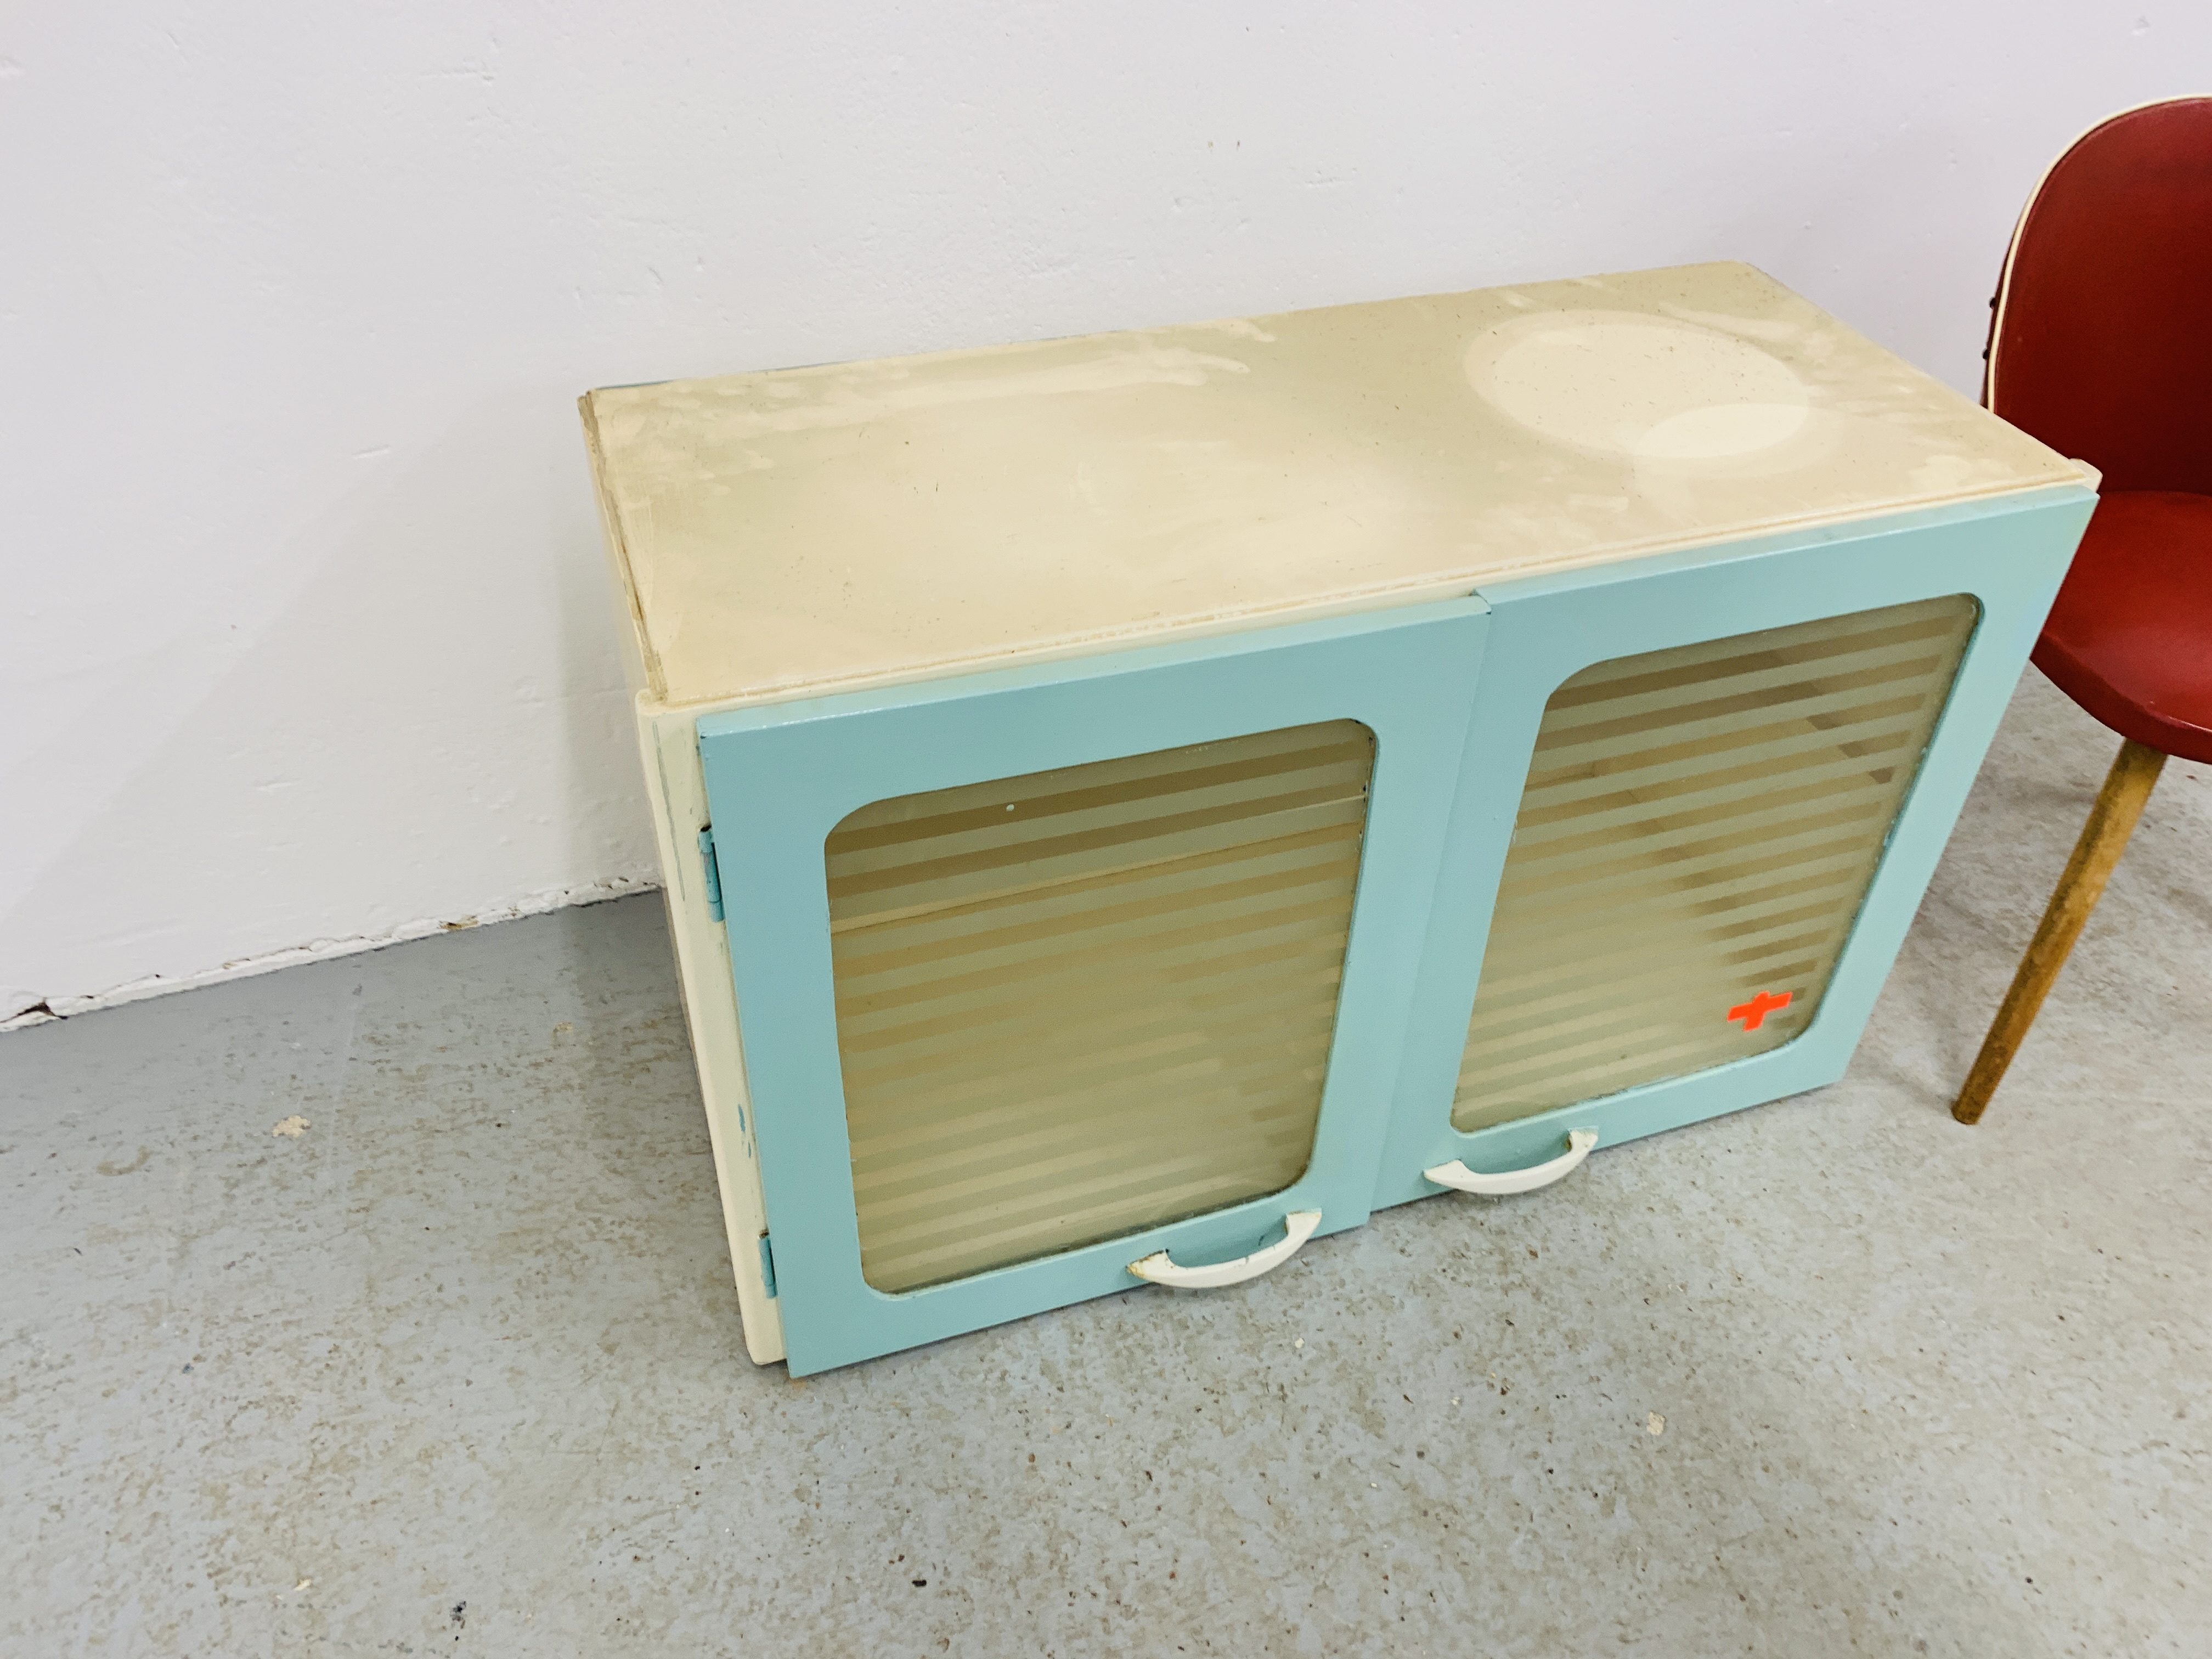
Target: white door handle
x,y
1456,1174
1298,1227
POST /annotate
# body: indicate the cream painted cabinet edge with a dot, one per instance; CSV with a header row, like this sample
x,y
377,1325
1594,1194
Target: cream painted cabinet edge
x,y
668,743
675,793
630,623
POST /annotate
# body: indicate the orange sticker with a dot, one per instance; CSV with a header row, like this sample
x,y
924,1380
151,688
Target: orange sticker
x,y
1753,1014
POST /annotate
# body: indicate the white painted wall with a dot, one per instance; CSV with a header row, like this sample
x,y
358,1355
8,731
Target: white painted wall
x,y
304,636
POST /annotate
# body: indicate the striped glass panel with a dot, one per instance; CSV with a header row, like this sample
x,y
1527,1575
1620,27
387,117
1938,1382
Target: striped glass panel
x,y
1698,828
1084,1002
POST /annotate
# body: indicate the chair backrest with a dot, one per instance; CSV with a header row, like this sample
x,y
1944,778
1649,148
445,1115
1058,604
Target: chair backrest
x,y
2102,345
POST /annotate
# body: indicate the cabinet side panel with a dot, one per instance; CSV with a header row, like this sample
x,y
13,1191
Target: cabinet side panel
x,y
669,746
637,665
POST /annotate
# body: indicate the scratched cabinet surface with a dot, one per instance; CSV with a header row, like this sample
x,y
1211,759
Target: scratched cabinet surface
x,y
1129,806
785,533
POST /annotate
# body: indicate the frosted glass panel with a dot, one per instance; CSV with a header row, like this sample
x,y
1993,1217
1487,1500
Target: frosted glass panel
x,y
1698,828
1084,1002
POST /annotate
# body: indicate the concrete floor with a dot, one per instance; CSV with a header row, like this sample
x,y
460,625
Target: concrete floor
x,y
457,1369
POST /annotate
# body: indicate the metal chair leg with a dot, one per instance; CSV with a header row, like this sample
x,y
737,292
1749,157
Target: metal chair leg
x,y
2104,838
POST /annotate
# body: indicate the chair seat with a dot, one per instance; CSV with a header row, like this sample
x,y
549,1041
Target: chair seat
x,y
2130,637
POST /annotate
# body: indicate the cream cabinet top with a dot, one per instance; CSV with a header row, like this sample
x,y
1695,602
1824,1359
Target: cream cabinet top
x,y
817,529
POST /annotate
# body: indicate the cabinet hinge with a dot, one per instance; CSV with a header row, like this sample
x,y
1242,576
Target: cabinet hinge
x,y
768,1267
713,873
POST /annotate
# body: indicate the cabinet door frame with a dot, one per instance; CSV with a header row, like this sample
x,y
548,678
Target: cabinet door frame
x,y
2009,554
779,777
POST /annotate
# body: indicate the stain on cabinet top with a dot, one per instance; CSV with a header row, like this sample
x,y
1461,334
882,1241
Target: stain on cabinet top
x,y
802,531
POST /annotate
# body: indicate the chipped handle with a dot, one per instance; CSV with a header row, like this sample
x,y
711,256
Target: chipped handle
x,y
1457,1175
1298,1227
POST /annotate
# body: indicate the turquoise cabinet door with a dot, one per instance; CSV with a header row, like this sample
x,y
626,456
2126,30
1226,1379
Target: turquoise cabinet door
x,y
1046,971
1700,802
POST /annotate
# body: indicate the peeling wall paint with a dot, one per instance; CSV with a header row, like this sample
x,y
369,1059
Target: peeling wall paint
x,y
306,644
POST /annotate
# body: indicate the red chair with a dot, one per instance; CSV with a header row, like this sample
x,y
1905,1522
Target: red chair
x,y
2101,346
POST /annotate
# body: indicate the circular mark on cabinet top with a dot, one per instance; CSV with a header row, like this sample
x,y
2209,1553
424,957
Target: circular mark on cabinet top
x,y
1640,386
